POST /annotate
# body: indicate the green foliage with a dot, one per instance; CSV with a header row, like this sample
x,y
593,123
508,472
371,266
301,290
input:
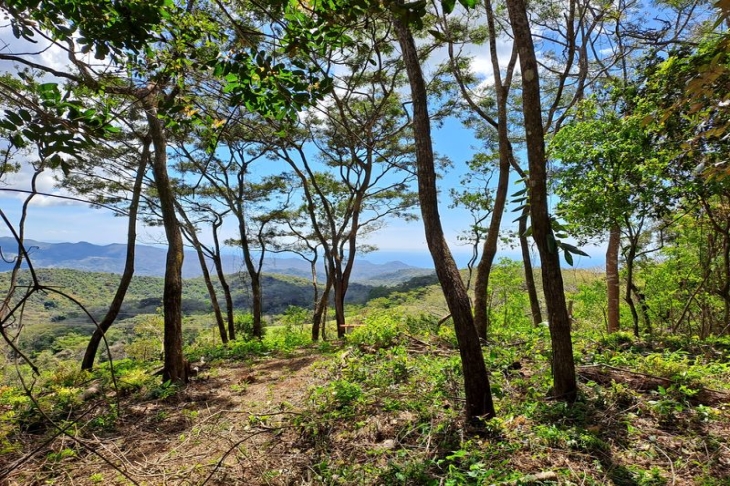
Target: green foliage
x,y
287,338
125,26
243,323
164,390
147,342
507,302
609,171
379,330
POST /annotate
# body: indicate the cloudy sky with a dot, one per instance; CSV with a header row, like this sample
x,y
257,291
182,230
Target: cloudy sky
x,y
54,219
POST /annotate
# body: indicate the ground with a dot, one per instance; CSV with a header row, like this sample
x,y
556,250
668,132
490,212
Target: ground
x,y
390,415
224,428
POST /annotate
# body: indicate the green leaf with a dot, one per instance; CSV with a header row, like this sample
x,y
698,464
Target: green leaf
x,y
14,118
448,5
568,258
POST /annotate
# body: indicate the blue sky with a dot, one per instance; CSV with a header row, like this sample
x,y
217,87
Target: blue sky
x,y
56,220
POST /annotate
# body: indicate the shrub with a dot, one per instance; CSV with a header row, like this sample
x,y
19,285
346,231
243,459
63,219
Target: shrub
x,y
380,330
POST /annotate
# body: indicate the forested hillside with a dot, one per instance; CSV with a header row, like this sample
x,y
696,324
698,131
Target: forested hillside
x,y
49,315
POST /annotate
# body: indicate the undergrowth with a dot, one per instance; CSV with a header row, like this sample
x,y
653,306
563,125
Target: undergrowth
x,y
388,405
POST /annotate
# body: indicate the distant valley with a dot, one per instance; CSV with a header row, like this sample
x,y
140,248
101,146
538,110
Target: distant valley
x,y
150,261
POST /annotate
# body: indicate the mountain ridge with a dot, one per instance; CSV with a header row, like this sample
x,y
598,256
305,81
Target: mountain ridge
x,y
150,261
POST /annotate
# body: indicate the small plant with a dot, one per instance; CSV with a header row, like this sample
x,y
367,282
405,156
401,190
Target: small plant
x,y
164,390
61,455
379,330
243,324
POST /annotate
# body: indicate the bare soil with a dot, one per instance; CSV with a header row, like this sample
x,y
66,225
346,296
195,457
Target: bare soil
x,y
228,427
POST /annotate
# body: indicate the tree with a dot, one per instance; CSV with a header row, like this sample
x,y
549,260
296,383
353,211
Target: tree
x,y
136,193
502,86
611,179
563,364
476,379
362,168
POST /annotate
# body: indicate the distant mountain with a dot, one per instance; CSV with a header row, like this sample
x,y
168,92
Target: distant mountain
x,y
150,261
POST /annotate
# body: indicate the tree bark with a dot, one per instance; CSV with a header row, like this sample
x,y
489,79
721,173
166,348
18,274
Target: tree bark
x,y
563,364
218,262
535,309
476,378
484,268
174,364
111,315
612,278
191,235
320,306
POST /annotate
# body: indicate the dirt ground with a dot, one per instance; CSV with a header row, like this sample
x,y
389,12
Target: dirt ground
x,y
228,427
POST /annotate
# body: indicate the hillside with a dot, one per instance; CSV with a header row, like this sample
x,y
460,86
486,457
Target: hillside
x,y
95,290
150,261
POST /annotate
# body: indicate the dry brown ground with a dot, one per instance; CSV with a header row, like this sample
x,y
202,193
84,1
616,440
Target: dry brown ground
x,y
226,428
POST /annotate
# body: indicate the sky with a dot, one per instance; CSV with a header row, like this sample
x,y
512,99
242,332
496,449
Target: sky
x,y
58,220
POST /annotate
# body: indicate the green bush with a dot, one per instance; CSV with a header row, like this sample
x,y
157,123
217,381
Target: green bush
x,y
380,330
243,323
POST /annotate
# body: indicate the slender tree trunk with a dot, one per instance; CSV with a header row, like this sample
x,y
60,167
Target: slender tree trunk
x,y
320,308
258,304
476,378
253,273
563,365
339,299
192,237
218,262
111,315
535,309
174,370
630,284
612,278
484,268
643,308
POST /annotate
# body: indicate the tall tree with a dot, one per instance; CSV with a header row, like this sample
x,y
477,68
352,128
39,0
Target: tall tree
x,y
563,364
476,379
610,179
351,155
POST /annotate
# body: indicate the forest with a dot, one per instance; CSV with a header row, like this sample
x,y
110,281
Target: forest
x,y
308,126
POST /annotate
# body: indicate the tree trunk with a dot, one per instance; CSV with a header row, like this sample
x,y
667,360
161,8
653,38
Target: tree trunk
x,y
192,236
633,242
339,299
320,308
174,370
253,273
563,365
529,275
218,262
484,268
476,378
535,308
111,315
257,296
643,308
612,278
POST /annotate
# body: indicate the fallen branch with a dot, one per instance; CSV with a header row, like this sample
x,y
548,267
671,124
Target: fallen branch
x,y
528,479
605,375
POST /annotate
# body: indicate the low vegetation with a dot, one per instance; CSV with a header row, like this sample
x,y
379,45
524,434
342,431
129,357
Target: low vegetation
x,y
385,406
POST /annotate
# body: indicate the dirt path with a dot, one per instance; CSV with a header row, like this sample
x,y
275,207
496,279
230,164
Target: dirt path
x,y
229,427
